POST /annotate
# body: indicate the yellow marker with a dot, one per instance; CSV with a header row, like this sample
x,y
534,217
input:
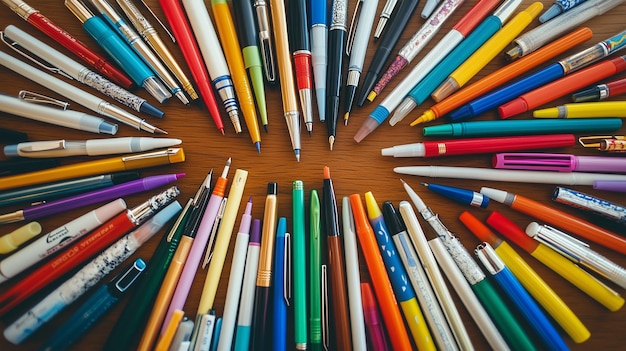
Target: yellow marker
x,y
487,52
223,240
12,240
584,110
166,339
234,58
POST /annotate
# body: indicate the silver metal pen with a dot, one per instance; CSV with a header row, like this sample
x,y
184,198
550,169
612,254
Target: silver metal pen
x,y
265,39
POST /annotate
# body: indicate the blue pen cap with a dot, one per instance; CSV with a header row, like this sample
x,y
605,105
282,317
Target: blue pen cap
x,y
11,151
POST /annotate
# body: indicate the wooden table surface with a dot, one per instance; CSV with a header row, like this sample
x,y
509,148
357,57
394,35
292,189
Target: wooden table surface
x,y
355,168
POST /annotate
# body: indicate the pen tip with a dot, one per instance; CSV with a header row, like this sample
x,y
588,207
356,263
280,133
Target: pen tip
x,y
424,184
297,152
222,131
345,122
180,175
326,172
258,146
331,142
159,131
250,199
266,128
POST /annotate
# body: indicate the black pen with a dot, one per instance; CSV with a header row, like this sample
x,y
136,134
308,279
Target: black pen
x,y
387,43
301,53
336,43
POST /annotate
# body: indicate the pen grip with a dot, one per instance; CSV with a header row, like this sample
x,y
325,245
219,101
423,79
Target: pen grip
x,y
302,67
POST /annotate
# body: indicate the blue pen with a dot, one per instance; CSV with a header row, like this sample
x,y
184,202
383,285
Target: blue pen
x,y
281,287
558,8
319,40
522,301
466,48
216,334
99,303
522,127
460,195
119,51
542,77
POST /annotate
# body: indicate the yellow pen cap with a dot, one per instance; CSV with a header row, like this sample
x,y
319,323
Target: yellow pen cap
x,y
12,240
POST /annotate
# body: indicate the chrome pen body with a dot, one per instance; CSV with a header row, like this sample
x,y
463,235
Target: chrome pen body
x,y
384,17
265,39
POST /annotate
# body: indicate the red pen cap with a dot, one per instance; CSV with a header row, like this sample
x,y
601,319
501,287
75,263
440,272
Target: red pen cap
x,y
512,231
481,231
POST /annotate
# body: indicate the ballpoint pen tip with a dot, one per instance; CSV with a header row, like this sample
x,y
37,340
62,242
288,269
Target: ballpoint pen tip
x,y
424,184
310,133
222,131
258,146
345,122
266,128
159,131
297,152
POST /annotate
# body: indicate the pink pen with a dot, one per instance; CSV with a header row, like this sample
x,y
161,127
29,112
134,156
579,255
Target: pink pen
x,y
559,162
374,327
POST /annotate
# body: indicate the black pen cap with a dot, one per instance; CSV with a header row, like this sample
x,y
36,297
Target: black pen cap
x,y
392,218
272,188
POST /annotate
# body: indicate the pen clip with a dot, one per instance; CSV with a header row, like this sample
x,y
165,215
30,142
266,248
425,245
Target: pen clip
x,y
154,154
43,146
176,224
158,20
287,273
125,280
595,141
325,303
36,98
31,56
218,220
352,30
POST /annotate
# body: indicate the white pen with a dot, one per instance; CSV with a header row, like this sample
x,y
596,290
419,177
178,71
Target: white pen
x,y
214,58
64,118
80,96
506,175
92,147
133,39
88,276
68,67
357,320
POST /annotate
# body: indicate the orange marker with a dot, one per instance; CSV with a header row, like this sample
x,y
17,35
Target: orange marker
x,y
380,280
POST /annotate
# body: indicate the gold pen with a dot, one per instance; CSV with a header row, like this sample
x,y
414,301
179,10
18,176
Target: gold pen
x,y
151,36
107,165
285,72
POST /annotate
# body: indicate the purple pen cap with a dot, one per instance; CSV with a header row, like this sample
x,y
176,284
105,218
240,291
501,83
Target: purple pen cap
x,y
559,162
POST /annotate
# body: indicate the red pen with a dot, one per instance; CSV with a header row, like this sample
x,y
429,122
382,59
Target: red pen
x,y
175,15
375,333
479,145
73,256
64,38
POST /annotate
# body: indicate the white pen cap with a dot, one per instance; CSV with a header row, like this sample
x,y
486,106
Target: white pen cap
x,y
406,150
498,195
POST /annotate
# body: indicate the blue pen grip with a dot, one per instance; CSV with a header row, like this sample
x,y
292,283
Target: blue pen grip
x,y
399,280
529,309
462,52
318,12
118,50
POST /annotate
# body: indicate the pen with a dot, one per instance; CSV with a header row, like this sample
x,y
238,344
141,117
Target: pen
x,y
165,340
355,301
467,95
544,76
113,164
325,309
175,15
521,300
584,110
55,240
64,65
429,7
301,52
246,302
118,50
82,200
385,14
609,143
152,38
232,52
459,31
481,57
558,162
392,318
11,241
577,251
260,327
521,127
235,279
249,37
356,48
142,49
479,145
95,307
299,265
315,272
336,43
92,147
74,255
601,91
175,268
416,43
400,282
64,118
339,301
319,47
49,28
441,333
533,283
536,38
460,195
560,265
387,43
371,316
206,333
586,202
558,8
182,338
285,71
137,311
265,39
82,97
608,185
472,42
281,287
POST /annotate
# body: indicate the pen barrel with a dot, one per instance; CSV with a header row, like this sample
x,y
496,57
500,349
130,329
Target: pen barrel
x,y
590,203
339,299
487,145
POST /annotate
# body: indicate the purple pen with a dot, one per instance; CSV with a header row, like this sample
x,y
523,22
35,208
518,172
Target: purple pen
x,y
610,185
559,162
92,197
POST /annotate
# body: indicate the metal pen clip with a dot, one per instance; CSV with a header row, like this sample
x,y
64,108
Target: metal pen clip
x,y
325,308
125,280
556,239
596,140
31,56
154,154
43,146
216,225
265,40
174,228
353,24
287,274
158,20
36,98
